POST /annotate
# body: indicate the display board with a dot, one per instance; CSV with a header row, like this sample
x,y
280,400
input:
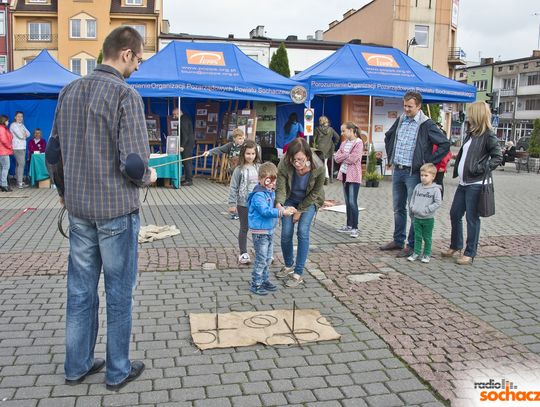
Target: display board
x,y
385,112
265,134
355,109
206,122
152,127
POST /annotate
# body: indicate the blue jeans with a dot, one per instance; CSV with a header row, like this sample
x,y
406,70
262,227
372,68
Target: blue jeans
x,y
350,192
112,245
4,169
465,203
403,184
264,248
287,231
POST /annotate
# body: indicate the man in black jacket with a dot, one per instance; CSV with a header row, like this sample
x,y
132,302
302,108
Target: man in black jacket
x,y
409,144
187,142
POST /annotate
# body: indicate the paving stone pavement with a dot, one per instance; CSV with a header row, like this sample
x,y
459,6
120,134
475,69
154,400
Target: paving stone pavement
x,y
412,333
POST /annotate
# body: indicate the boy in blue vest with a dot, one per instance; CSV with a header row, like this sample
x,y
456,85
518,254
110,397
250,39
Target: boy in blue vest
x,y
262,219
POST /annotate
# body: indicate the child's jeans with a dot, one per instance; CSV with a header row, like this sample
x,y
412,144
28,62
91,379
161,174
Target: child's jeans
x,y
423,230
264,247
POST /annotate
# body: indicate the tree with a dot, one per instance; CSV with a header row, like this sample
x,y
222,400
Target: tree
x,y
534,142
100,57
435,111
280,61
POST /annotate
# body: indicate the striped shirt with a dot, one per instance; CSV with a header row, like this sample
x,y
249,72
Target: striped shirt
x,y
99,121
406,140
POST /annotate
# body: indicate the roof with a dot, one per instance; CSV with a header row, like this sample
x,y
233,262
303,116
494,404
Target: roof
x,y
116,7
22,6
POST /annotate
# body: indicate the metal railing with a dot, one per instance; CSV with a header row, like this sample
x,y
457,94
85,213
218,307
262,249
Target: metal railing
x,y
456,54
150,44
35,41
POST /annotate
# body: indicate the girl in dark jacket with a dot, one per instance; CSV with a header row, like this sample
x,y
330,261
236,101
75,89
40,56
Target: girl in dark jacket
x,y
479,152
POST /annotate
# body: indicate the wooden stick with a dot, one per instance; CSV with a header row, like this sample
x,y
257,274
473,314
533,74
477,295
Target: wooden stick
x,y
177,161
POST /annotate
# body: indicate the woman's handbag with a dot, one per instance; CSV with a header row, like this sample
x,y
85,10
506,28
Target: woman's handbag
x,y
486,199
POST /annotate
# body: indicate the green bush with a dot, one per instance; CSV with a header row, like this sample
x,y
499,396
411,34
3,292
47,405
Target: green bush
x,y
280,61
534,142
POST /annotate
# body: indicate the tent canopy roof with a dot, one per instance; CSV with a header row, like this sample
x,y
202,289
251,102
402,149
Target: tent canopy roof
x,y
380,71
43,76
203,70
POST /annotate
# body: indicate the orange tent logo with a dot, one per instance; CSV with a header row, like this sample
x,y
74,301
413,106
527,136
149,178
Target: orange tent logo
x,y
197,57
383,60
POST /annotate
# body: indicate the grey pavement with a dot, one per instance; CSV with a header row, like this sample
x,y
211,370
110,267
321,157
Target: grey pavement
x,y
501,289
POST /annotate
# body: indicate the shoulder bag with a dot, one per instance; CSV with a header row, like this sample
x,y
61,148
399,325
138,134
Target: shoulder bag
x,y
486,200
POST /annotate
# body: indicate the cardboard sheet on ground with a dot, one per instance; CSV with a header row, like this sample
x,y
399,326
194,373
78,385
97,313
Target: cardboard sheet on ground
x,y
268,327
339,208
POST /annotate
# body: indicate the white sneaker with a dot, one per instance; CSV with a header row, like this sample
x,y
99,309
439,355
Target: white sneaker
x,y
244,258
354,233
344,229
425,259
284,272
413,257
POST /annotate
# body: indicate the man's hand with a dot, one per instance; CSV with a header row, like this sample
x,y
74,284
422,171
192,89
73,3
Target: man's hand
x,y
205,154
181,149
296,217
61,201
153,175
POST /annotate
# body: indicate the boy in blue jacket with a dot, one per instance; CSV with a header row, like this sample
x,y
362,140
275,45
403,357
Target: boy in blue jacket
x,y
262,219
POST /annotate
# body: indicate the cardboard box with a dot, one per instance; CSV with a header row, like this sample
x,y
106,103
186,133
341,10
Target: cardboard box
x,y
46,183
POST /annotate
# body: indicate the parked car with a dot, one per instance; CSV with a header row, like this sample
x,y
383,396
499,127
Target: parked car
x,y
523,143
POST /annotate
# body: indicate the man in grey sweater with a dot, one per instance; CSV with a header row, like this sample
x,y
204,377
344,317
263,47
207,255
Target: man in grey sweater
x,y
426,199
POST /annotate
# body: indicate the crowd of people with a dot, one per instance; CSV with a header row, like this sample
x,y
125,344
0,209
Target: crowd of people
x,y
15,141
99,188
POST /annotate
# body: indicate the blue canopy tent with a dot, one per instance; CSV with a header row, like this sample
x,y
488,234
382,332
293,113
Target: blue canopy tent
x,y
380,71
209,70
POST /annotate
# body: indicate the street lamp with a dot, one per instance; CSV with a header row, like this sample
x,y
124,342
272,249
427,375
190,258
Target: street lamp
x,y
411,43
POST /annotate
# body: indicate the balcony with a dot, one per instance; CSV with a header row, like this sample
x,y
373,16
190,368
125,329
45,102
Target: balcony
x,y
506,92
528,90
35,41
455,56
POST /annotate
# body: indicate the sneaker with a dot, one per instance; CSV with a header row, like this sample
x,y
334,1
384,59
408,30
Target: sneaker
x,y
244,258
21,186
354,233
425,259
405,252
294,281
413,257
234,217
284,272
268,286
344,229
258,289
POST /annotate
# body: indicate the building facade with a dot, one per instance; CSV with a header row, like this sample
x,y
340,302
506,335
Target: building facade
x,y
431,23
4,36
73,31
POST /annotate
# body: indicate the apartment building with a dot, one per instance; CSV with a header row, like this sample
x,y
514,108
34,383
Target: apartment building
x,y
74,30
4,36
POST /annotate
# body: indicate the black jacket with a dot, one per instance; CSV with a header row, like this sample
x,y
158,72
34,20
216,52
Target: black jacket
x,y
187,138
429,134
483,151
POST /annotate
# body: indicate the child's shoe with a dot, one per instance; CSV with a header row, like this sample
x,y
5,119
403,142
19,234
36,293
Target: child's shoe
x,y
425,259
258,289
268,286
234,216
284,272
354,233
244,258
294,281
413,257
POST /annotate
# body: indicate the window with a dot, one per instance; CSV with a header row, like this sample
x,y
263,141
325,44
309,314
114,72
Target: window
x,y
510,67
134,3
39,32
506,107
533,79
90,28
480,85
500,68
3,64
141,29
2,22
75,28
532,104
76,66
90,65
525,66
509,83
537,63
421,34
38,1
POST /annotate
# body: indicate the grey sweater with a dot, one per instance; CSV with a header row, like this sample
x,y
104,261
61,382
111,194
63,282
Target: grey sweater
x,y
425,201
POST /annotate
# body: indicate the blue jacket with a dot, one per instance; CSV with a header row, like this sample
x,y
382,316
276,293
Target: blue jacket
x,y
262,215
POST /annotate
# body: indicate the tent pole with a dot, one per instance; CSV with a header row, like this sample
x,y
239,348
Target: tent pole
x,y
370,140
179,143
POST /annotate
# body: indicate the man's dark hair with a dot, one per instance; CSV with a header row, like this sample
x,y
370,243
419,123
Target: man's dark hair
x,y
120,39
413,95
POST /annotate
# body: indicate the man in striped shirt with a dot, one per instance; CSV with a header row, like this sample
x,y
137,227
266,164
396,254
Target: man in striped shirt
x,y
98,154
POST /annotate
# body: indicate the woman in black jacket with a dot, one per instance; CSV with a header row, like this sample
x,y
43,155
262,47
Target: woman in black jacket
x,y
480,150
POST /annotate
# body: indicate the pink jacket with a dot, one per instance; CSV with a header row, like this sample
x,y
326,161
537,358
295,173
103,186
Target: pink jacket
x,y
353,159
6,141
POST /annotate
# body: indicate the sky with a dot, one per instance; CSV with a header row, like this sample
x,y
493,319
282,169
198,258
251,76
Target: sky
x,y
502,29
